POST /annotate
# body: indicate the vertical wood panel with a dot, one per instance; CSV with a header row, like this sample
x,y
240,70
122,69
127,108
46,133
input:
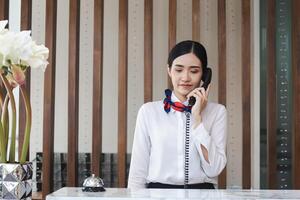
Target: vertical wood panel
x,y
26,10
122,91
246,76
148,51
73,91
196,20
271,95
4,9
160,47
49,91
172,29
296,91
234,92
172,23
222,69
184,21
97,87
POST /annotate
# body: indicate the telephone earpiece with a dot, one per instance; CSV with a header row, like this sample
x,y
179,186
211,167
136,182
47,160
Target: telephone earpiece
x,y
206,78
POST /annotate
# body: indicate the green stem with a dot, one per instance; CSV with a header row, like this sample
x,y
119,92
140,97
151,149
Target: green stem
x,y
5,120
2,136
27,126
1,98
13,128
2,146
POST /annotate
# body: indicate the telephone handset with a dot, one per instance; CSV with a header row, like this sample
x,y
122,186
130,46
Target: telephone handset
x,y
206,78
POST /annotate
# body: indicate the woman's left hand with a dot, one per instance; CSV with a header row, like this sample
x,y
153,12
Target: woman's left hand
x,y
201,101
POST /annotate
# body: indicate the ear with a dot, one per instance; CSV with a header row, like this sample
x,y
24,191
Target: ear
x,y
169,70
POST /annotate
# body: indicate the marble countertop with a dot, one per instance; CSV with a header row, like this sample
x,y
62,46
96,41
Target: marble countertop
x,y
129,194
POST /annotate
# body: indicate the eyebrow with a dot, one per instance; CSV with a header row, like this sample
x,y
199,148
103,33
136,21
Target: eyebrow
x,y
193,66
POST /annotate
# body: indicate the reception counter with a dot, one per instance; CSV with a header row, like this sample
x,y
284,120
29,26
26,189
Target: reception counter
x,y
69,193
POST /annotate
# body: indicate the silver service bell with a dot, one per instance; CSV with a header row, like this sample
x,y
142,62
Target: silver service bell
x,y
93,184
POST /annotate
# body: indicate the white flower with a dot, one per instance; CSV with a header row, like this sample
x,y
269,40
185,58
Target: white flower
x,y
18,52
19,49
2,25
6,41
39,56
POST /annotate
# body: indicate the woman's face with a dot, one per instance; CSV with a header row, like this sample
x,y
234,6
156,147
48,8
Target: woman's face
x,y
185,73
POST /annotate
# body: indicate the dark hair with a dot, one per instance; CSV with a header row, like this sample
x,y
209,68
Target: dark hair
x,y
188,46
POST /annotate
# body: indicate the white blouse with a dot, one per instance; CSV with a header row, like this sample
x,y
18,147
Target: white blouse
x,y
159,144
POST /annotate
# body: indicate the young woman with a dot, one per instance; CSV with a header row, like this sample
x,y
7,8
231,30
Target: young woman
x,y
173,148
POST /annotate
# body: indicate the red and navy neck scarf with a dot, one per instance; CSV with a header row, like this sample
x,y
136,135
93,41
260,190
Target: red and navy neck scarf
x,y
175,105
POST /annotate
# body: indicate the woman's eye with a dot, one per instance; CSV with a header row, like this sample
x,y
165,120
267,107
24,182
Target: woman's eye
x,y
195,71
178,70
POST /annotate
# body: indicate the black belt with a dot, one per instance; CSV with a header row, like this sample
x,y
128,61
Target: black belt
x,y
189,186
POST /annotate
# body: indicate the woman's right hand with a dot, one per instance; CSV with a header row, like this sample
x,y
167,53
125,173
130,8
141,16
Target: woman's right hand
x,y
201,96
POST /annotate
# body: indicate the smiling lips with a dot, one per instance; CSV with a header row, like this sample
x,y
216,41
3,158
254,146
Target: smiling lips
x,y
185,85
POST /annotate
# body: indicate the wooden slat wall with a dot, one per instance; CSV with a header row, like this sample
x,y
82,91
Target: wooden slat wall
x,y
148,51
172,29
271,96
4,9
196,20
73,92
49,90
97,87
49,93
222,69
172,23
246,100
26,6
296,91
122,99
